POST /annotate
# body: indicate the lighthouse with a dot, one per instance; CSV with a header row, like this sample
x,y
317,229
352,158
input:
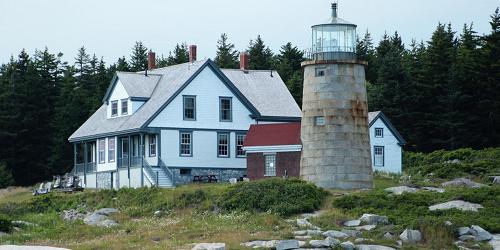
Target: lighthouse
x,y
334,127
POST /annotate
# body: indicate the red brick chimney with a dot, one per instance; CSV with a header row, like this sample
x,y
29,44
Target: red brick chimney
x,y
244,61
192,53
151,60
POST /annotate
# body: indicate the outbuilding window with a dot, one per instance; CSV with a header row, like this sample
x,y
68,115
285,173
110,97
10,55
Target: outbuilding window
x,y
378,156
319,120
379,132
270,165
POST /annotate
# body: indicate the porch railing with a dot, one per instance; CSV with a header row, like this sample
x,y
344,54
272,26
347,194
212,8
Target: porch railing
x,y
166,170
135,161
81,168
150,174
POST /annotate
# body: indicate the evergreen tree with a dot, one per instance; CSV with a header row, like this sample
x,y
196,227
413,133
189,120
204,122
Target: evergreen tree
x,y
139,57
260,56
488,105
179,55
288,66
122,65
226,55
366,52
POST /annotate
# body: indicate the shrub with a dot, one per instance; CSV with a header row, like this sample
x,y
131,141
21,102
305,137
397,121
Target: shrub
x,y
411,209
451,164
5,224
282,197
6,178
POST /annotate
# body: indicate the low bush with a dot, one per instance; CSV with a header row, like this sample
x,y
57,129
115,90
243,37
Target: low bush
x,y
451,164
411,209
5,224
283,197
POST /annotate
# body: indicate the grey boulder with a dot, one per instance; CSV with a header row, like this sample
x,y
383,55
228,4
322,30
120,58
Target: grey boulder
x,y
106,211
480,233
462,182
373,247
366,227
495,242
347,245
107,223
467,237
410,236
287,244
209,246
94,218
434,189
352,223
457,204
463,231
401,189
335,234
352,233
373,219
328,242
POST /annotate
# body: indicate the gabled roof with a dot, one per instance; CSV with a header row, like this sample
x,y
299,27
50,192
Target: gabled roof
x,y
172,80
137,85
372,118
273,134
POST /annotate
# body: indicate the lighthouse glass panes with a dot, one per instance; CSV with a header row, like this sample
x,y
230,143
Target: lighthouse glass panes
x,y
333,38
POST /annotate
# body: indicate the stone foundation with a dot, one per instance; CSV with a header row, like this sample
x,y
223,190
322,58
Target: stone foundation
x,y
223,175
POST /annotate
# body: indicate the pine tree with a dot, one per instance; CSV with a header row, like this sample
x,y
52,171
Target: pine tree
x,y
122,65
179,55
488,105
139,57
226,55
288,66
366,52
260,56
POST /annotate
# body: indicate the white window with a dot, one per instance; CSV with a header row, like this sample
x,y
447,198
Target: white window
x,y
114,108
102,149
270,165
124,106
319,120
225,109
185,144
189,107
378,155
152,145
379,132
240,138
223,144
111,149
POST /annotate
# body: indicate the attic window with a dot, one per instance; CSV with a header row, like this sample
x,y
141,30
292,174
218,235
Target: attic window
x,y
114,108
379,132
124,106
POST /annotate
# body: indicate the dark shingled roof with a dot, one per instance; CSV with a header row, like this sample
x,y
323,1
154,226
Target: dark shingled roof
x,y
273,134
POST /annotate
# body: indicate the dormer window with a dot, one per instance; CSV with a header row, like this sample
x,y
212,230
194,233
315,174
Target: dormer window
x,y
124,106
114,108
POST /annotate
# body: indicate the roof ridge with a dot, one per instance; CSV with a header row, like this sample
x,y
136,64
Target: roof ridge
x,y
252,70
181,64
140,73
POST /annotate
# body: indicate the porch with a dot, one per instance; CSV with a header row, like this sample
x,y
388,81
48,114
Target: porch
x,y
131,160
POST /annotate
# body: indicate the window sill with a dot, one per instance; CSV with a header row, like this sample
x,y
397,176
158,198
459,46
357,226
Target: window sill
x,y
186,155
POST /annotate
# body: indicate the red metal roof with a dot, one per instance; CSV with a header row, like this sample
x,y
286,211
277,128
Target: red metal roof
x,y
273,134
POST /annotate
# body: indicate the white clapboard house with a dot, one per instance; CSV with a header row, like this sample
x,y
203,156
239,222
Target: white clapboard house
x,y
168,126
386,144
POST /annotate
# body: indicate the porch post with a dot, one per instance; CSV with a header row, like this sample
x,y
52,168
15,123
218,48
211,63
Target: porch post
x,y
85,163
75,170
141,154
128,159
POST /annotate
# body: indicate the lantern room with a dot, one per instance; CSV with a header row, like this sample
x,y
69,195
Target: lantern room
x,y
335,39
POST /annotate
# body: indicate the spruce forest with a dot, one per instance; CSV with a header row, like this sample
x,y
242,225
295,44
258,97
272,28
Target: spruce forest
x,y
440,94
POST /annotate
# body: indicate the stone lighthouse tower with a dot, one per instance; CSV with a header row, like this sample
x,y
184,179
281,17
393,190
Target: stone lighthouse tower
x,y
335,137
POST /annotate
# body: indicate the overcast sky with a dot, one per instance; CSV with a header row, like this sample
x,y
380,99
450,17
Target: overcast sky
x,y
109,28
